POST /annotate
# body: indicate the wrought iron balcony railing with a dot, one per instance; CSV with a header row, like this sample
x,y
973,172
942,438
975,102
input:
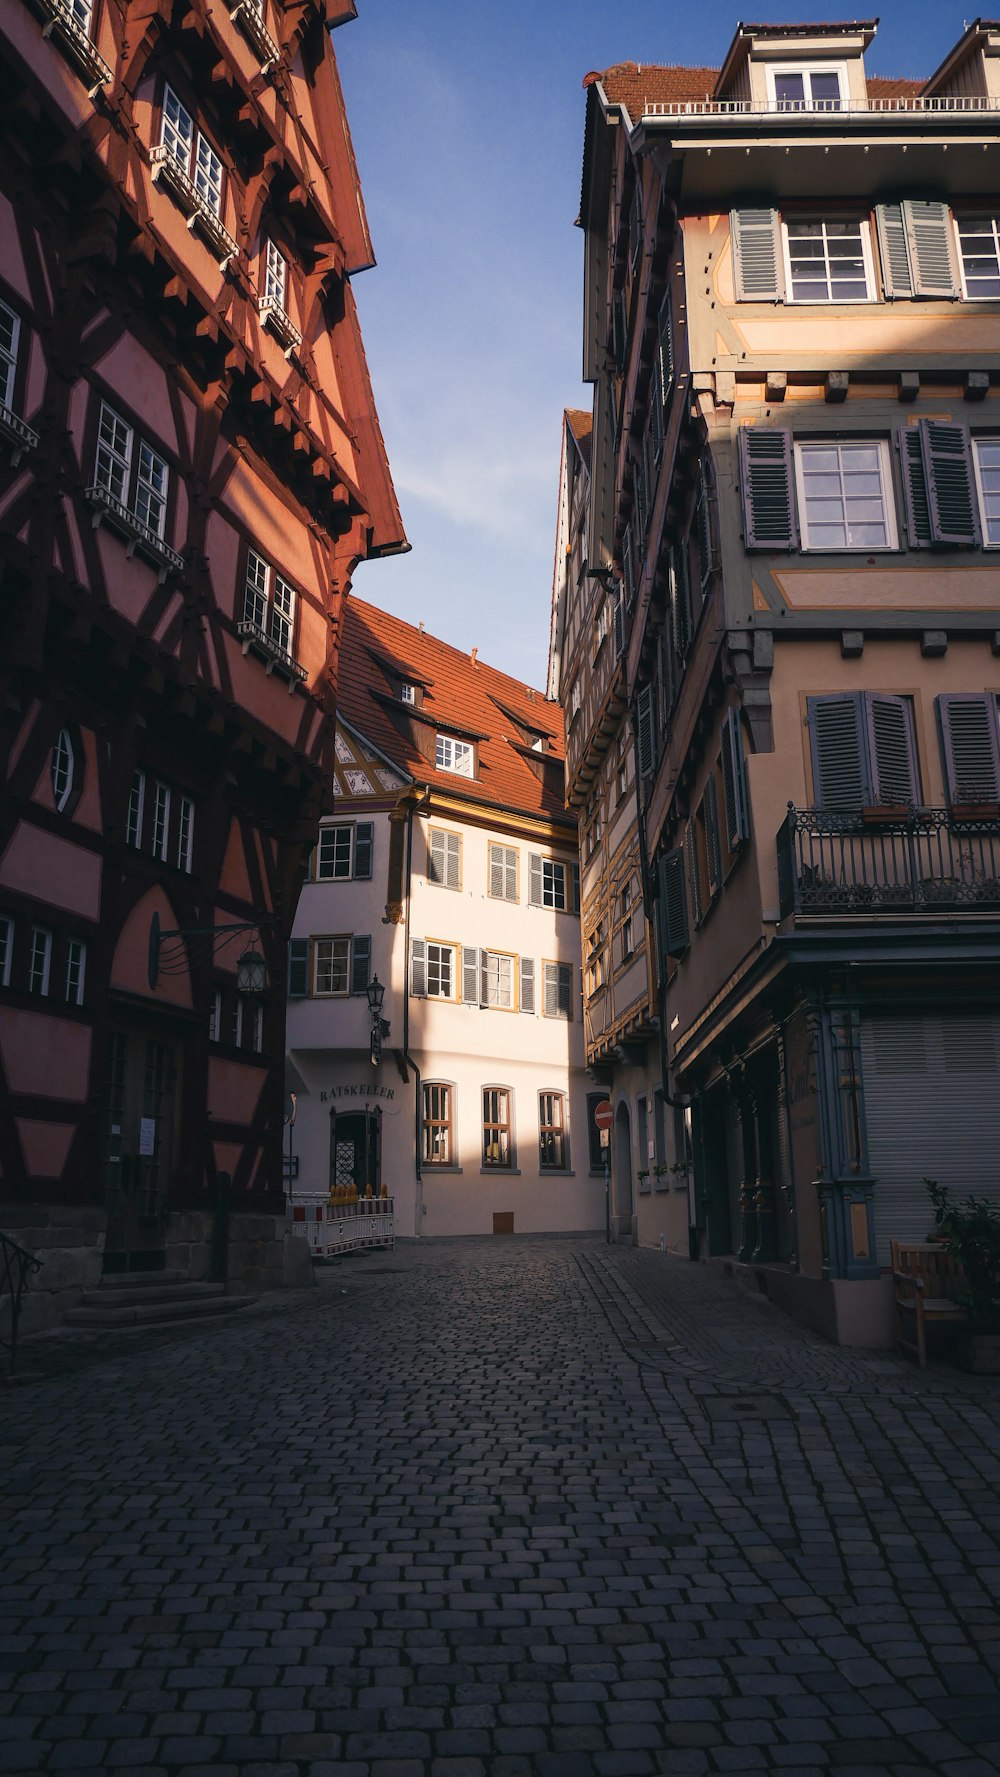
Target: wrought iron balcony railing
x,y
251,17
197,209
924,105
889,860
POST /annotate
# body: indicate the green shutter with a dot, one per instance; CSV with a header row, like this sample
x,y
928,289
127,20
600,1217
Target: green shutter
x,y
361,963
672,904
951,495
298,968
364,834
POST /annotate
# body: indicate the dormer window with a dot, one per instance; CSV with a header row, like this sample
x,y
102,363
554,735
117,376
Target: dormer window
x,y
818,88
454,755
407,692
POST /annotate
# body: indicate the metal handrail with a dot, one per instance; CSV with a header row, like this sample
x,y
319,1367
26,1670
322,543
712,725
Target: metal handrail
x,y
926,105
17,1266
888,860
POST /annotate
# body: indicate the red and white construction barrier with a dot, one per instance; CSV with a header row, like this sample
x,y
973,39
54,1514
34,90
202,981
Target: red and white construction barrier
x,y
333,1228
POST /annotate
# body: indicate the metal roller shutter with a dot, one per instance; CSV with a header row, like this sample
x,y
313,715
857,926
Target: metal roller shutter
x,y
932,1107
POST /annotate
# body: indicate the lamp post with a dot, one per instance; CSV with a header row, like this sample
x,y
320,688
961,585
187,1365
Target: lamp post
x,y
380,1025
169,952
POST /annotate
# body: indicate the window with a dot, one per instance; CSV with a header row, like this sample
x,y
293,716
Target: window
x,y
440,971
454,755
6,949
554,884
41,960
601,625
552,1131
595,959
192,151
215,1016
503,873
828,260
558,986
863,750
161,819
331,965
407,692
628,930
575,699
498,980
979,252
986,457
10,333
248,1023
671,904
63,768
136,806
497,1149
805,88
268,605
344,852
735,793
131,471
275,277
76,969
844,493
444,859
438,1147
185,834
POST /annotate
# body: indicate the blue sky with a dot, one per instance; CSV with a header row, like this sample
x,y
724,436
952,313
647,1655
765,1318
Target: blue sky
x,y
467,119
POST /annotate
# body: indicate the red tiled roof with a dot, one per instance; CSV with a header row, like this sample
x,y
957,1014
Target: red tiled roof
x,y
636,84
880,86
461,695
581,425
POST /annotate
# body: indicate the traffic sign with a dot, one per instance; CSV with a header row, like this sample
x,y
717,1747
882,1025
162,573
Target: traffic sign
x,y
604,1116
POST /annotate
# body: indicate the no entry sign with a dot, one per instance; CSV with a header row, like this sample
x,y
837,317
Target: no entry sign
x,y
604,1116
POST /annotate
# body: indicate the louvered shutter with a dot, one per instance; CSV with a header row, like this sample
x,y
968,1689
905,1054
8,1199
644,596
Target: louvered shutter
x,y
969,731
534,879
950,485
703,518
470,976
767,484
574,888
757,256
619,325
436,861
644,729
891,749
619,621
656,413
734,782
928,231
298,968
527,984
672,904
640,514
364,834
510,885
418,968
840,779
713,849
918,512
628,566
694,872
361,963
680,600
484,977
665,348
897,279
453,861
497,873
551,990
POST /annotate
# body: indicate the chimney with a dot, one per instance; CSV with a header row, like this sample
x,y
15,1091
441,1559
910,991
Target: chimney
x,y
472,656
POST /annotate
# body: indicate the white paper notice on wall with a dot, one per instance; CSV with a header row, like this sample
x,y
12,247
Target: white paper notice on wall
x,y
147,1135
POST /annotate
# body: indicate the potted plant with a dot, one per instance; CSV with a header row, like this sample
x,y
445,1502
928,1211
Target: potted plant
x,y
971,1234
658,1173
643,1176
880,814
972,802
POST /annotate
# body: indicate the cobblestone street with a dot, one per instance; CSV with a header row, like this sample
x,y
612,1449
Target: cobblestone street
x,y
498,1509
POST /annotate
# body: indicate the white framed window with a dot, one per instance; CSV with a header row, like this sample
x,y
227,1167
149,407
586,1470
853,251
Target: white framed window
x,y
441,971
407,692
6,949
41,960
215,1017
151,489
344,852
503,873
137,478
845,494
498,980
979,254
553,884
185,834
438,1124
76,970
63,768
454,755
444,858
628,929
557,1001
269,603
136,809
275,276
986,459
552,1152
192,151
114,453
10,335
828,259
575,699
161,821
331,966
807,86
497,1132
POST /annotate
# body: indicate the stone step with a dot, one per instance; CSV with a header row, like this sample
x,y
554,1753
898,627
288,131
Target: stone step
x,y
181,1291
141,1280
155,1314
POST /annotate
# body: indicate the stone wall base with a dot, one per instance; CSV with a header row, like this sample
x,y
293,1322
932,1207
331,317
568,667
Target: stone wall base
x,y
847,1311
70,1244
264,1251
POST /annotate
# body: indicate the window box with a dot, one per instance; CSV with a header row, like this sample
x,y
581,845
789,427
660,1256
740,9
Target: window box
x,y
283,328
167,168
18,435
975,811
250,18
882,814
141,537
69,23
276,658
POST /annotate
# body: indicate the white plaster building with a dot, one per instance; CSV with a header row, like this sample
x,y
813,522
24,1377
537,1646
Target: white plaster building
x,y
449,871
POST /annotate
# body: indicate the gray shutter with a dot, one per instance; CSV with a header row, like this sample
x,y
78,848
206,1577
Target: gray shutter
x,y
703,520
840,779
418,968
950,485
564,978
768,493
470,976
628,566
656,413
897,279
713,848
665,350
550,989
619,623
510,874
484,977
574,888
527,984
694,871
619,328
364,834
535,879
891,748
298,968
644,729
680,600
757,256
672,904
361,963
734,782
435,859
453,864
497,872
918,512
969,732
928,231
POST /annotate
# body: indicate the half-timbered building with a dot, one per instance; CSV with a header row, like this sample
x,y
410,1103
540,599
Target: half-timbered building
x,y
190,469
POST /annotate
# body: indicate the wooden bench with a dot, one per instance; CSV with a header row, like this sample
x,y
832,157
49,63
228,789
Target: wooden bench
x,y
925,1281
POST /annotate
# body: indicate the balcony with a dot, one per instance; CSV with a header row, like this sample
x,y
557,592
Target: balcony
x,y
16,434
276,658
913,104
168,170
273,315
889,861
141,538
250,18
64,23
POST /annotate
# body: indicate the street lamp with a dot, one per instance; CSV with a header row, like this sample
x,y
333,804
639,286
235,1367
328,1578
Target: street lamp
x,y
251,973
380,1025
172,952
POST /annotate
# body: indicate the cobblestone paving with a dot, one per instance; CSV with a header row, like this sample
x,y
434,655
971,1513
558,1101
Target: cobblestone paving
x,y
499,1509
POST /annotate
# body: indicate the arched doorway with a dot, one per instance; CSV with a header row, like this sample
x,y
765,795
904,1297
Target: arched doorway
x,y
622,1221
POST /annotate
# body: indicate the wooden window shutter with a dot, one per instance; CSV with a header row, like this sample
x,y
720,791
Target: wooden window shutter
x,y
892,749
656,413
527,984
470,976
703,518
418,968
298,968
713,848
644,730
453,862
361,963
619,622
619,327
918,512
929,239
484,977
680,599
840,779
757,256
767,482
364,838
694,871
436,859
534,879
734,782
628,565
672,903
574,888
497,872
665,348
950,484
897,279
969,732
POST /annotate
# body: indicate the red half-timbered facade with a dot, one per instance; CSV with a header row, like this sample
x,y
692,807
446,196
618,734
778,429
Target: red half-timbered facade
x,y
190,469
